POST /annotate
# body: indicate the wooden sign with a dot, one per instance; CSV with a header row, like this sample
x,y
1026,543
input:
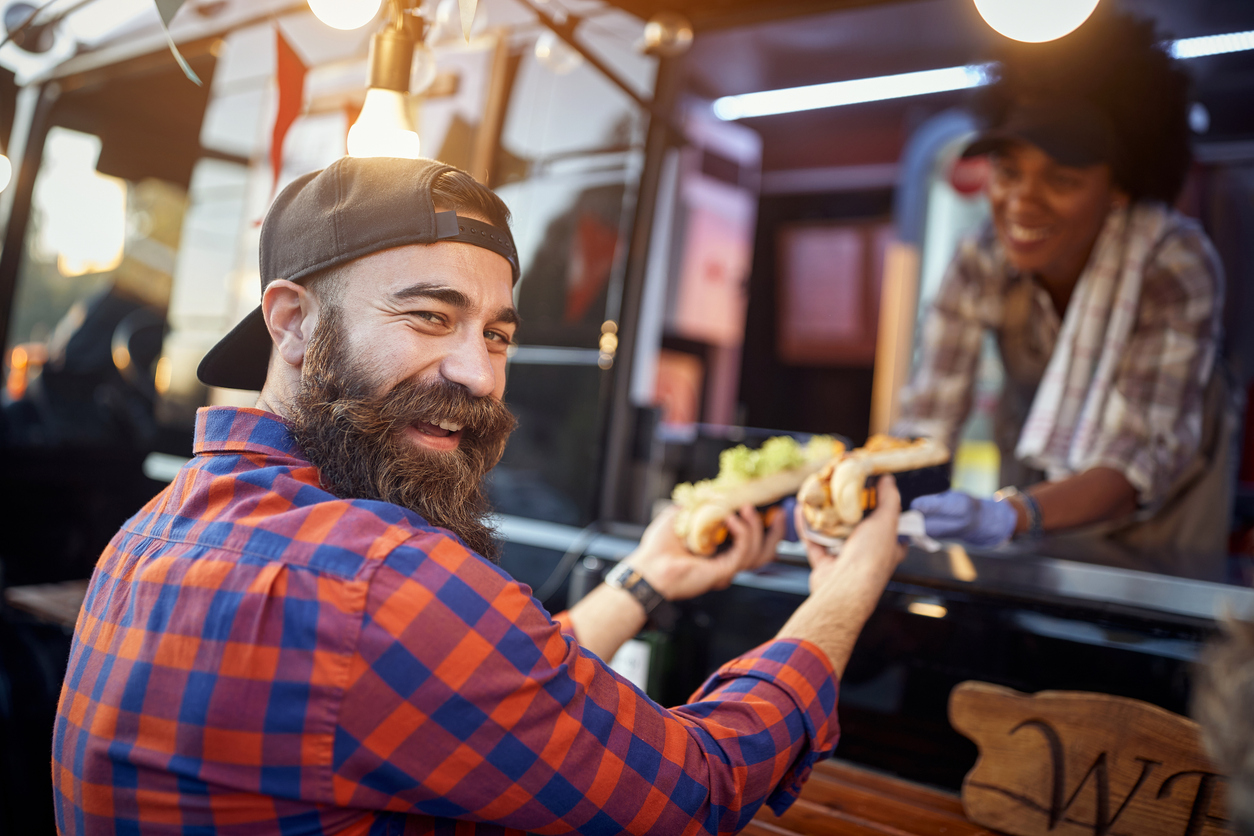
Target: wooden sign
x,y
1067,763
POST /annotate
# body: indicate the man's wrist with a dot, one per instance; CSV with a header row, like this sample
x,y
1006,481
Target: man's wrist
x,y
629,579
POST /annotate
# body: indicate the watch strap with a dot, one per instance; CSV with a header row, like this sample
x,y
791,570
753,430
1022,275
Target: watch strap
x,y
625,577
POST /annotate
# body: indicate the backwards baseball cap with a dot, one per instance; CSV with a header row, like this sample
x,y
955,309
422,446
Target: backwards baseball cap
x,y
352,208
1074,132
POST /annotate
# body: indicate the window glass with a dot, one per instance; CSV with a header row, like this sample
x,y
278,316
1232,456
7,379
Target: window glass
x,y
89,313
570,157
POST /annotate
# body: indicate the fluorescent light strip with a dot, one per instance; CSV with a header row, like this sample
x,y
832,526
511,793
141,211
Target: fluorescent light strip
x,y
881,88
1212,45
836,93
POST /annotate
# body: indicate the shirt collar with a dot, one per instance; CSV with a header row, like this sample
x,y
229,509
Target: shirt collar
x,y
232,429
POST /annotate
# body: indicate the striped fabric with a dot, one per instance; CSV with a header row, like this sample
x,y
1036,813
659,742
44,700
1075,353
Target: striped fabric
x,y
257,656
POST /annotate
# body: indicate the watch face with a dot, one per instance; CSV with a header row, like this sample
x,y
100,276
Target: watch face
x,y
618,575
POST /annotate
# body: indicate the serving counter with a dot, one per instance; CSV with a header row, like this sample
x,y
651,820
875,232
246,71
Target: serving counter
x,y
1016,617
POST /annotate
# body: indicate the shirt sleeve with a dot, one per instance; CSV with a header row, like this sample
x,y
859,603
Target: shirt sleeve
x,y
938,398
1152,422
467,701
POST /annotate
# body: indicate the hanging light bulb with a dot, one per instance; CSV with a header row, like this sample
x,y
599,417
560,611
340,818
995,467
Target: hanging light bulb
x,y
345,14
1035,21
6,172
385,127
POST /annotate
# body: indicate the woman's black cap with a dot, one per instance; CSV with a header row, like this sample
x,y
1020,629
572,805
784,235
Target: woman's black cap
x,y
1074,132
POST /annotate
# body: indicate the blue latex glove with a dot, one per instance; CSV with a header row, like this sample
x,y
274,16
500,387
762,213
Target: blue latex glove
x,y
789,509
954,515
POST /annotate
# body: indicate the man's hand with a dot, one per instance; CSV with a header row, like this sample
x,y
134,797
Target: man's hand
x,y
607,617
954,515
874,537
844,589
678,574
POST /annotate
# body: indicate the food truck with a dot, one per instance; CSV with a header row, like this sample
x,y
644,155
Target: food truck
x,y
695,275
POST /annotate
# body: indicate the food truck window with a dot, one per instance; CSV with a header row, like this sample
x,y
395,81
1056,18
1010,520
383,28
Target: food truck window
x,y
93,287
570,156
92,279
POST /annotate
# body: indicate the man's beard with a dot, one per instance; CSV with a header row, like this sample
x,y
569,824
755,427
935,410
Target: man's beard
x,y
358,442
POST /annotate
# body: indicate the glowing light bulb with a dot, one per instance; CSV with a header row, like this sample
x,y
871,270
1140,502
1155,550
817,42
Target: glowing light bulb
x,y
384,128
345,14
1035,21
6,172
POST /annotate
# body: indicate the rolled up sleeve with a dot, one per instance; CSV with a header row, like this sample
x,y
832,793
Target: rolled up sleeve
x,y
469,702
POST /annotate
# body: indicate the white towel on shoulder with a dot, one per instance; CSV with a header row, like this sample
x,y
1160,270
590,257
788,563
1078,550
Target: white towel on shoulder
x,y
1065,420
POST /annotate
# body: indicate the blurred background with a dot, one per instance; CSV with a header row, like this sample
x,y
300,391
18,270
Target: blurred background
x,y
700,269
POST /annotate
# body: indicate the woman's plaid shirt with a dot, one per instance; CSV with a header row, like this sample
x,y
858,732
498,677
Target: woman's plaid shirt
x,y
257,656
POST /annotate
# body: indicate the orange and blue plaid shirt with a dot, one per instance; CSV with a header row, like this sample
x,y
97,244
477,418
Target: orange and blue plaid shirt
x,y
258,656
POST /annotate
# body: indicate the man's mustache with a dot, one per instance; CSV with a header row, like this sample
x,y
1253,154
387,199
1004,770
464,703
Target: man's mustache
x,y
412,402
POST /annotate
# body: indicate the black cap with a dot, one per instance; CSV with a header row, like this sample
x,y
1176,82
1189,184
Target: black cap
x,y
1073,132
352,208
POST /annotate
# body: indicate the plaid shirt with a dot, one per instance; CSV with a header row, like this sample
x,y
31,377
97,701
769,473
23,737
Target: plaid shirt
x,y
1160,381
258,656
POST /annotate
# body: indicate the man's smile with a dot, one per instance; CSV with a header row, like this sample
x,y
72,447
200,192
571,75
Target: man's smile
x,y
444,435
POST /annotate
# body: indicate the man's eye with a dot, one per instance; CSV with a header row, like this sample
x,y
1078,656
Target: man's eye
x,y
429,316
497,337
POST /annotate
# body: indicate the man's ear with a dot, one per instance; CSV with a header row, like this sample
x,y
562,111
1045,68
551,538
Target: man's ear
x,y
290,312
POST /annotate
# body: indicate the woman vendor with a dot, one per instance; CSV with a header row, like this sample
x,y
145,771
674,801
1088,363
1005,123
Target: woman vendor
x,y
1104,301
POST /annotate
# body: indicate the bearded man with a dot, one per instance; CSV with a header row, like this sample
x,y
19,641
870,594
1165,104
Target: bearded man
x,y
303,633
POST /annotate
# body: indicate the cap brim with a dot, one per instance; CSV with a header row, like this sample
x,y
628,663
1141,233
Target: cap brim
x,y
1067,152
241,358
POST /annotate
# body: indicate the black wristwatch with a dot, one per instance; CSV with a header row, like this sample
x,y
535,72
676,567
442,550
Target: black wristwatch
x,y
625,577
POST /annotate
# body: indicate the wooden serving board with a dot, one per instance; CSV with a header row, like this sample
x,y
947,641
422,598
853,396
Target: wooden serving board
x,y
1066,763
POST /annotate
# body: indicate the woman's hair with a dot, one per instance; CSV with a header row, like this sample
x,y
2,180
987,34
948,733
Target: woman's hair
x,y
1119,64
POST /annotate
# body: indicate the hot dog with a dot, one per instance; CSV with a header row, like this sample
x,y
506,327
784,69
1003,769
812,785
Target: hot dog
x,y
834,498
746,477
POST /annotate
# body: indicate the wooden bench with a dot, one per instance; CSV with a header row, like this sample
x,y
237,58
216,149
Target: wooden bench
x,y
843,799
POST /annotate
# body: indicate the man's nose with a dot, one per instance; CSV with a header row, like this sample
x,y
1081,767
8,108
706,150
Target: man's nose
x,y
469,364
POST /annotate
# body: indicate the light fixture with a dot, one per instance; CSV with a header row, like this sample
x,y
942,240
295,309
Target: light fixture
x,y
345,14
1035,21
880,88
6,172
835,93
1212,45
385,127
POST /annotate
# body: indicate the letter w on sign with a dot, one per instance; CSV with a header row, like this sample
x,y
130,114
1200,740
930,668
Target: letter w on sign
x,y
1069,763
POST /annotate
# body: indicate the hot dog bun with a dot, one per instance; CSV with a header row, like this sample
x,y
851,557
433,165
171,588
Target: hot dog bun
x,y
834,498
746,477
